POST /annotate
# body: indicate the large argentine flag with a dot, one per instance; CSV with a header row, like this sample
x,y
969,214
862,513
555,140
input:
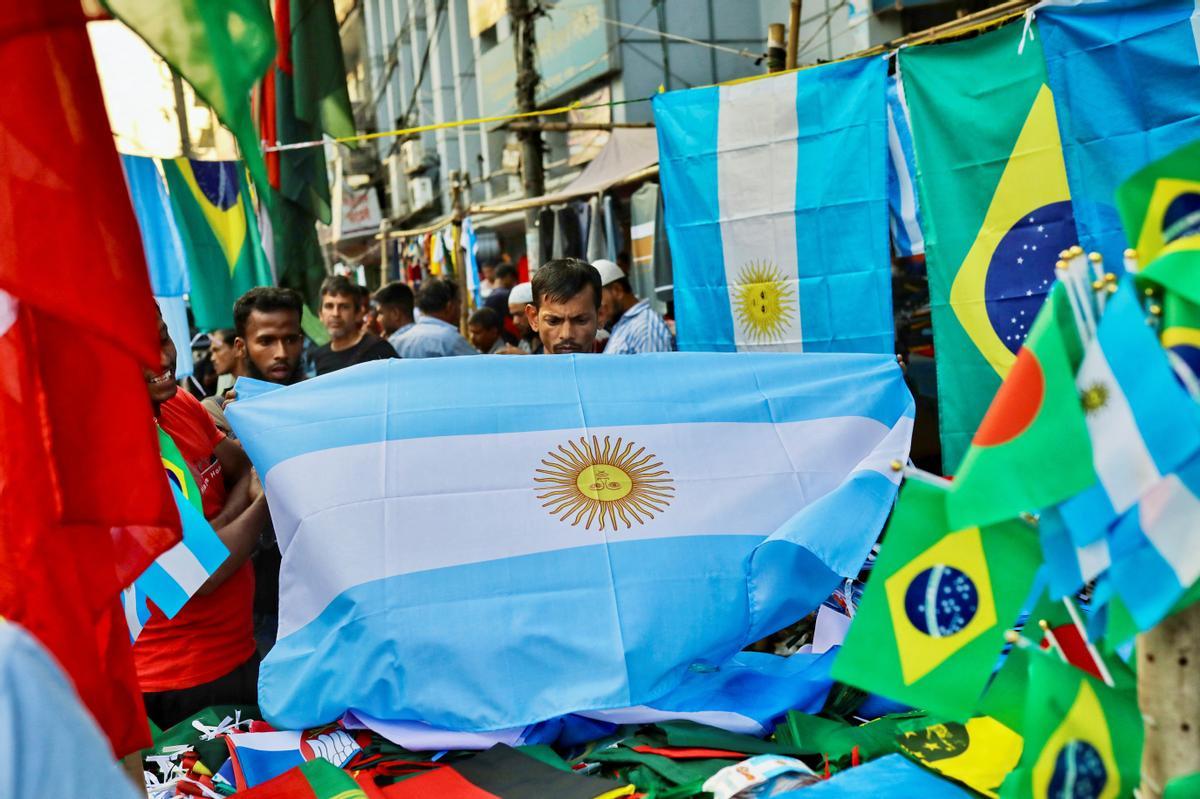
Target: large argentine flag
x,y
776,197
1143,425
487,543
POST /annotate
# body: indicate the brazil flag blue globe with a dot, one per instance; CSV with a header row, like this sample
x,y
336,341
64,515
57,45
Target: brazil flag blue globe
x,y
931,623
1083,739
996,210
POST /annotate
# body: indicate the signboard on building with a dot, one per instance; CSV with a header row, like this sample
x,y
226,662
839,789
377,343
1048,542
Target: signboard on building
x,y
483,14
359,213
573,45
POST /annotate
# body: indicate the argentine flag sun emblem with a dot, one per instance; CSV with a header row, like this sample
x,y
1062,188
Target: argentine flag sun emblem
x,y
603,483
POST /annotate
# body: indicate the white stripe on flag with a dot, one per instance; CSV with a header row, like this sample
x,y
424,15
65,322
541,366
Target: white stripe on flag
x,y
1168,514
756,180
129,604
1119,454
374,500
1094,559
183,567
278,741
904,179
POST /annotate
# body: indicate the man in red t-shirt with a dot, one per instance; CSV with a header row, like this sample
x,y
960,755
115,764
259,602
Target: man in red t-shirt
x,y
205,655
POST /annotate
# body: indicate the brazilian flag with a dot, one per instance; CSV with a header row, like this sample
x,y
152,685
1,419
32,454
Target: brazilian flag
x,y
1082,738
178,471
931,625
1160,210
996,210
211,203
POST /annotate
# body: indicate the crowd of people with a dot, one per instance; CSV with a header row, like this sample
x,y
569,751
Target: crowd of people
x,y
209,653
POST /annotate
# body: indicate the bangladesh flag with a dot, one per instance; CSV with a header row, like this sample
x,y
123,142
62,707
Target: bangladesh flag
x,y
932,621
1082,738
220,235
1032,449
220,48
995,209
303,96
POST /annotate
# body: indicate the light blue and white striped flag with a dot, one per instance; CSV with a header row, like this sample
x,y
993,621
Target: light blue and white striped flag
x,y
903,206
485,565
1155,552
177,574
1142,423
776,203
164,251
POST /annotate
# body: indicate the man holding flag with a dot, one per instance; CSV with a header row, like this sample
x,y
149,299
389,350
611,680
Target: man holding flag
x,y
206,654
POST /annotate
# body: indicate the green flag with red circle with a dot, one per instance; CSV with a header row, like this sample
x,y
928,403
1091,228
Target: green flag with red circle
x,y
1032,449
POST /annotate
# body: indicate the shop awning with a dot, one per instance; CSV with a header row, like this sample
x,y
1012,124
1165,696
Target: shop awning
x,y
630,155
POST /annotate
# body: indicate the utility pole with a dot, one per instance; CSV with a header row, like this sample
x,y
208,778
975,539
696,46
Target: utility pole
x,y
523,14
793,35
460,263
185,136
776,53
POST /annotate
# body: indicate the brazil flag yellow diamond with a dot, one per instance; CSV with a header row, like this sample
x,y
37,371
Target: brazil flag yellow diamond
x,y
1082,737
931,624
940,602
996,210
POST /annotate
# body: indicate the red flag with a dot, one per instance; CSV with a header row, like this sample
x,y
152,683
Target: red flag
x,y
84,507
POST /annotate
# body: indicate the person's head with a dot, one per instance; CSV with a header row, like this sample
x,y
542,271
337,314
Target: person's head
x,y
520,296
618,298
222,352
566,302
341,308
483,328
269,341
609,274
438,298
489,271
160,384
395,302
506,276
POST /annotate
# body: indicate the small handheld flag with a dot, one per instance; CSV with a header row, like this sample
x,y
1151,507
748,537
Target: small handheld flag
x,y
1082,738
932,621
177,574
1035,428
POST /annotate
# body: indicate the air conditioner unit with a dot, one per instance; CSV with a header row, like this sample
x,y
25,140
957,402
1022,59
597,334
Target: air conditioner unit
x,y
420,193
397,187
413,155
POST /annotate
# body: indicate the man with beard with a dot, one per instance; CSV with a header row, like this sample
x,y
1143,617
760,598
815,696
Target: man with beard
x,y
566,305
343,308
267,342
205,655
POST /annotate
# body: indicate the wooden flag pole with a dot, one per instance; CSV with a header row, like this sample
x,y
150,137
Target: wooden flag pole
x,y
1169,696
793,35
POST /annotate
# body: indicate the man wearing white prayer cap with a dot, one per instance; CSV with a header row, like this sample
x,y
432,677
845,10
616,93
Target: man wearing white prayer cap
x,y
520,296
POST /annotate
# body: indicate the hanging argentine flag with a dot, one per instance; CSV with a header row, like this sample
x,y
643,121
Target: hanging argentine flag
x,y
1154,552
626,522
776,202
469,240
903,207
1141,422
164,251
1101,58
